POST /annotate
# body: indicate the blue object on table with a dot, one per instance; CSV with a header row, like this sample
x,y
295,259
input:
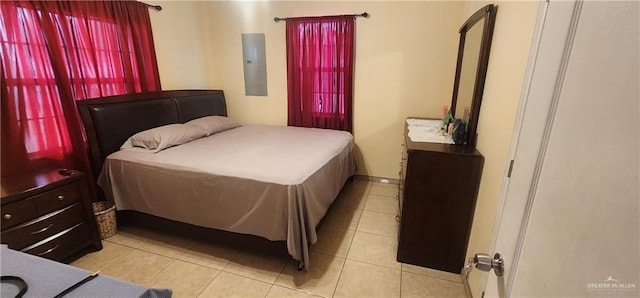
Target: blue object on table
x,y
47,278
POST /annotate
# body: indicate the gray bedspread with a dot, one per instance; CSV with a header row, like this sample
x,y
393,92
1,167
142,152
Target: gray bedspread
x,y
46,278
271,181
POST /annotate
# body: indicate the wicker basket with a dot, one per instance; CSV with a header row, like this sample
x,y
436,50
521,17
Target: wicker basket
x,y
106,219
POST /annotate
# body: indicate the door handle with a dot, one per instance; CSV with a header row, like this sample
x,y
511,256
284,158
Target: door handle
x,y
485,263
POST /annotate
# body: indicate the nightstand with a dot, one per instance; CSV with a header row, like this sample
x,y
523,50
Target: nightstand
x,y
48,213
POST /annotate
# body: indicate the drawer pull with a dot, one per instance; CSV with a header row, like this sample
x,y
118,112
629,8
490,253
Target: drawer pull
x,y
397,218
42,230
60,197
48,251
7,216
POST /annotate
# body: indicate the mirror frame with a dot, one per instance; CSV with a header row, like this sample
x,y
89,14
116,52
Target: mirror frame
x,y
488,15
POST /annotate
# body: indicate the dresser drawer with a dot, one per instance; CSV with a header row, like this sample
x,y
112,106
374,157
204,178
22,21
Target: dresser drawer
x,y
17,212
61,245
57,198
43,227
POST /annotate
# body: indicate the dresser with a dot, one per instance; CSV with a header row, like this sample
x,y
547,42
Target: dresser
x,y
48,214
438,190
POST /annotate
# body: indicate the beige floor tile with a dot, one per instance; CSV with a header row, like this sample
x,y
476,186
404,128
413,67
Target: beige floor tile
x,y
231,285
278,291
378,223
166,245
208,255
365,280
382,204
417,285
357,186
374,249
333,241
130,237
360,227
321,279
257,266
384,189
185,279
138,267
110,253
432,273
342,218
350,200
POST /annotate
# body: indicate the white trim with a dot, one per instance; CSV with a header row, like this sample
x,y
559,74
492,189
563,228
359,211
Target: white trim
x,y
524,96
548,57
464,275
377,179
566,56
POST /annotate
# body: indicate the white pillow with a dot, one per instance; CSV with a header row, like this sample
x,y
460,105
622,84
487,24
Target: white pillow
x,y
162,137
214,124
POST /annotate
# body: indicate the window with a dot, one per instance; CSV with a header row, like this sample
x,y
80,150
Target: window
x,y
54,53
320,72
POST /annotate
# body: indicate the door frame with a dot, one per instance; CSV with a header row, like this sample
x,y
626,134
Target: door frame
x,y
549,55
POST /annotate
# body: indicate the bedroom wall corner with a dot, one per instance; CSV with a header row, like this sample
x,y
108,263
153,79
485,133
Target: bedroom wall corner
x,y
405,66
182,47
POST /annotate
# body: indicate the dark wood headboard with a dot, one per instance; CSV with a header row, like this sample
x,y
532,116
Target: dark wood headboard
x,y
110,121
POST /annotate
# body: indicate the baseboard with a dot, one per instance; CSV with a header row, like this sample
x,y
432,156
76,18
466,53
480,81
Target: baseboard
x,y
377,179
465,283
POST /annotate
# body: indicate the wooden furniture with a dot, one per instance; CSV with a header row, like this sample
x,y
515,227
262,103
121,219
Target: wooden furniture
x,y
110,121
217,180
471,70
439,182
438,189
48,214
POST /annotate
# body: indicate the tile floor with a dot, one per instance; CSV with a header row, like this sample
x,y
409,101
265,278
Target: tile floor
x,y
355,256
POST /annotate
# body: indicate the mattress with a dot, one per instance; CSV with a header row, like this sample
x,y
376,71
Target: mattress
x,y
276,182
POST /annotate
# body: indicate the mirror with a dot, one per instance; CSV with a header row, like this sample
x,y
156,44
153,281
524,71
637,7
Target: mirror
x,y
471,70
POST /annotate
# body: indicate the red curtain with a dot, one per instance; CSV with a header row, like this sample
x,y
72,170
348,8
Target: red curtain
x,y
56,52
320,72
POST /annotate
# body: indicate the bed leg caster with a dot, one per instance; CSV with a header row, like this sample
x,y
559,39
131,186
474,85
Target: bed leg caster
x,y
300,266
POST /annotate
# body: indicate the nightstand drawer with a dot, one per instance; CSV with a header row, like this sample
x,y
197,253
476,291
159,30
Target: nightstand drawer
x,y
57,198
17,212
48,212
60,245
45,226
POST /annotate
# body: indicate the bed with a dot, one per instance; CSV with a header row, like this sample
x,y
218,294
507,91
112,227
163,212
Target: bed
x,y
274,182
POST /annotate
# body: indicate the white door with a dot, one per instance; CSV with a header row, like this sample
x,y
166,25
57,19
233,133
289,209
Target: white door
x,y
568,224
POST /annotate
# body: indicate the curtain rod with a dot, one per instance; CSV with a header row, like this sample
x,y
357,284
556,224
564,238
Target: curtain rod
x,y
156,7
364,15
